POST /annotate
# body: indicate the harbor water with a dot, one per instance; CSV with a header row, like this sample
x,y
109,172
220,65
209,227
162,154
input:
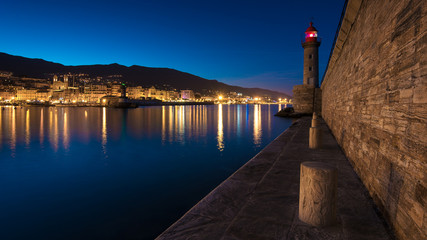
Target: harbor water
x,y
105,173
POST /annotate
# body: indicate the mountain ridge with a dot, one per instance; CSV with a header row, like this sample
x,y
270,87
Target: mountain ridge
x,y
133,75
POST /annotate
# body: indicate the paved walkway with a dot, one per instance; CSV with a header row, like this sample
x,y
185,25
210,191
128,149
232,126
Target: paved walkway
x,y
260,200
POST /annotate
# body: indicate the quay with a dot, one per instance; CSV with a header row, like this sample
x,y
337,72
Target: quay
x,y
260,200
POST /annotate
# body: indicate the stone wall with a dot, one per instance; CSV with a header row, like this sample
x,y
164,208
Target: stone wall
x,y
375,102
303,99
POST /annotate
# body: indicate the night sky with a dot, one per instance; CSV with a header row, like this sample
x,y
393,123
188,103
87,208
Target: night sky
x,y
246,43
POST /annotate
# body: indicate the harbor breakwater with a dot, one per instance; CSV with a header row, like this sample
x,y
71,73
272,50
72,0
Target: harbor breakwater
x,y
375,102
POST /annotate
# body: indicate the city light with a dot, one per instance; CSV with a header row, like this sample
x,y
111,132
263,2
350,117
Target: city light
x,y
86,92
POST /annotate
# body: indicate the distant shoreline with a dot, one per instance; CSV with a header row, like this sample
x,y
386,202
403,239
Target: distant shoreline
x,y
101,105
139,105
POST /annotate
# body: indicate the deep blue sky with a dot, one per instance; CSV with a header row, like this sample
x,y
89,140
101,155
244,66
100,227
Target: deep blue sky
x,y
246,43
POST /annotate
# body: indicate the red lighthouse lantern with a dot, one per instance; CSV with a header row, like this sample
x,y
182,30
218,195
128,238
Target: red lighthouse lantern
x,y
311,34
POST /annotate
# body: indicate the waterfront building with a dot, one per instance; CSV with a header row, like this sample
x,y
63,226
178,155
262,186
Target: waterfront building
x,y
26,94
7,95
58,85
58,95
43,94
135,92
187,94
162,95
173,95
94,92
74,94
207,98
115,90
71,94
151,93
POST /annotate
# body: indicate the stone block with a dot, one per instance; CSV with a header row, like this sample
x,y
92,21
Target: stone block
x,y
415,211
421,195
417,130
420,94
406,94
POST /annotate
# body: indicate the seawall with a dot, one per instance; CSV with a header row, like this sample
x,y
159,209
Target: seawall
x,y
375,102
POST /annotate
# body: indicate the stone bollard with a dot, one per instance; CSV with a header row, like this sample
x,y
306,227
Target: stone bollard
x,y
318,194
314,140
315,120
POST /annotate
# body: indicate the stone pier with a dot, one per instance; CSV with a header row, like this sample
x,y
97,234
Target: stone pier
x,y
260,200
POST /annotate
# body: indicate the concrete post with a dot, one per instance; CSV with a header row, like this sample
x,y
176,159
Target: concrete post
x,y
318,194
314,140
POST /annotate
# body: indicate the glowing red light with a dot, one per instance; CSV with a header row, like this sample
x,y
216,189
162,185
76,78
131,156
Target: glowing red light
x,y
311,35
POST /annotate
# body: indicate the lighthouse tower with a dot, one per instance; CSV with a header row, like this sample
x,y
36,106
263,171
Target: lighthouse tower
x,y
307,98
311,57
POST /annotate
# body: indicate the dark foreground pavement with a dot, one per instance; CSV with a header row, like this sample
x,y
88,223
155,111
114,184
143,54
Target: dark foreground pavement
x,y
260,200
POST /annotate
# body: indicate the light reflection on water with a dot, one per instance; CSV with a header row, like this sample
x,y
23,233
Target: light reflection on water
x,y
220,132
105,173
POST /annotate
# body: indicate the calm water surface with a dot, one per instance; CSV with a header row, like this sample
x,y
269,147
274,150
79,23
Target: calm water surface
x,y
102,173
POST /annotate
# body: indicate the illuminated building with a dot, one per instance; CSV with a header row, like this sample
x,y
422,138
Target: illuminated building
x,y
43,95
115,90
26,94
57,85
7,95
173,95
187,94
135,92
151,93
162,95
93,93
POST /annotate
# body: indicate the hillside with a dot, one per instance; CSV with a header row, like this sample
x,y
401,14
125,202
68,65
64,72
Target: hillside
x,y
133,75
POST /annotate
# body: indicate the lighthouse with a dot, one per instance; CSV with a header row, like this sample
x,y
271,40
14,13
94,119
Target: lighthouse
x,y
307,97
311,57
